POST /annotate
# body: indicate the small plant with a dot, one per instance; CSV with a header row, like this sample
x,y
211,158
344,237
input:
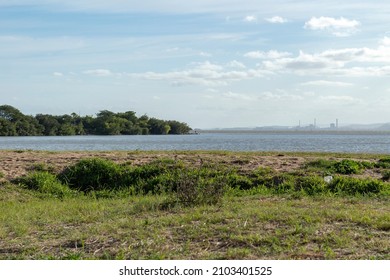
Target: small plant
x,y
354,186
347,166
386,175
41,166
45,182
383,163
192,188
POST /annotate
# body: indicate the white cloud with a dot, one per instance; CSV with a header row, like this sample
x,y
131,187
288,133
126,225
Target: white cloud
x,y
272,54
340,27
250,18
58,74
326,83
276,19
340,99
385,41
238,96
206,73
99,72
236,64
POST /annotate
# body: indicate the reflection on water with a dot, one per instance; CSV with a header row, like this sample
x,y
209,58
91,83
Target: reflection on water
x,y
320,142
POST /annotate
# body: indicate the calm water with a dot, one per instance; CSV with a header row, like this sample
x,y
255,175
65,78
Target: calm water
x,y
319,142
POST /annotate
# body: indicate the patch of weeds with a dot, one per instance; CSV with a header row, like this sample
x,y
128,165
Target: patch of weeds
x,y
354,186
191,188
383,163
46,183
240,182
311,185
320,165
386,175
348,166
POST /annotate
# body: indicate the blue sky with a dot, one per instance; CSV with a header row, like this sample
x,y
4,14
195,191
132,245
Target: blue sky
x,y
209,63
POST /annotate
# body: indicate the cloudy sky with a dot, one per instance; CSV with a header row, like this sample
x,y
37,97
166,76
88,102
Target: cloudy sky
x,y
210,63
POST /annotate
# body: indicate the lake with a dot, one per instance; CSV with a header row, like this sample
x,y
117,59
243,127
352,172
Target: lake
x,y
349,142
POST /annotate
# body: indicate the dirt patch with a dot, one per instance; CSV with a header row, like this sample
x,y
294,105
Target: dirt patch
x,y
14,164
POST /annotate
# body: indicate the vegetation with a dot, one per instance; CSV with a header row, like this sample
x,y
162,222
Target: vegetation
x,y
15,123
171,208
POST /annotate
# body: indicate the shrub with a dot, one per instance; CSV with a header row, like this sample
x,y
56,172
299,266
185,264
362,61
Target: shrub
x,y
93,174
386,175
311,185
354,186
191,188
45,182
240,182
347,166
383,163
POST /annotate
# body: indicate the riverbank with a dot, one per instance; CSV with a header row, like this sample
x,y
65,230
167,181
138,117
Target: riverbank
x,y
273,206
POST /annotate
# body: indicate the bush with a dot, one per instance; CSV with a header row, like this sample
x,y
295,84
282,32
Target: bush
x,y
386,175
240,182
192,188
93,174
45,182
383,163
311,185
354,186
347,166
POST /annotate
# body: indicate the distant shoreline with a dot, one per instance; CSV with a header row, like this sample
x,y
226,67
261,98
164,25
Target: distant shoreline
x,y
293,131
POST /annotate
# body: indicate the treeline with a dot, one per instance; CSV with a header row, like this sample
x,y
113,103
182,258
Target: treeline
x,y
15,123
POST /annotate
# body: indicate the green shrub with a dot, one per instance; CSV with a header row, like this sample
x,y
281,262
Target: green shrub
x,y
240,182
386,175
355,186
45,182
383,163
311,185
347,166
93,174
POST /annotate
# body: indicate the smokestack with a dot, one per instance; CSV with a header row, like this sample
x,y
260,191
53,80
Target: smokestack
x,y
315,123
337,123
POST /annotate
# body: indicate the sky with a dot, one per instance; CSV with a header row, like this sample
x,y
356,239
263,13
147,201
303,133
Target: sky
x,y
214,63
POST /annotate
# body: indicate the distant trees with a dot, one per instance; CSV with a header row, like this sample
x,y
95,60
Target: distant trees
x,y
15,123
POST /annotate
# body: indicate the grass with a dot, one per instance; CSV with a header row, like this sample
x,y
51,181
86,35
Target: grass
x,y
172,209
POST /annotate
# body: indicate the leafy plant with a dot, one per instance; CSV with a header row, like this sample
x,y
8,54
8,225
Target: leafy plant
x,y
355,186
347,166
45,182
92,174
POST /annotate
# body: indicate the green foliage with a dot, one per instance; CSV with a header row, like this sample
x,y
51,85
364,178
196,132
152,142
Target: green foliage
x,y
386,175
14,123
355,186
46,183
92,174
238,181
321,164
347,166
383,163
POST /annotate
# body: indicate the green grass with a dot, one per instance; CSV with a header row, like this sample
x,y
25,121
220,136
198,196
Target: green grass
x,y
247,227
173,209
